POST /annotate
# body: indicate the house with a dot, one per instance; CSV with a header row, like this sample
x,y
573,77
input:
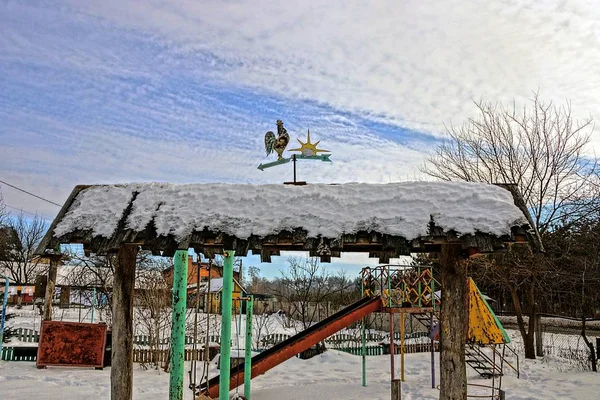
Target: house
x,y
214,295
199,270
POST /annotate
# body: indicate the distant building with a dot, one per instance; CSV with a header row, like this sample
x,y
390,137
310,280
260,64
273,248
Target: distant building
x,y
203,270
215,295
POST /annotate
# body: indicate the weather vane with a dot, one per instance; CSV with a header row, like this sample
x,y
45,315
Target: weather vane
x,y
308,150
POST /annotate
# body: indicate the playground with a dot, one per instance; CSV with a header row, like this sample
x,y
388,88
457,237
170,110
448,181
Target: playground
x,y
386,221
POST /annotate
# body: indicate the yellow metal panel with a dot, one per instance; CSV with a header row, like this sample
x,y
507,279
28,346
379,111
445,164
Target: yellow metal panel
x,y
483,328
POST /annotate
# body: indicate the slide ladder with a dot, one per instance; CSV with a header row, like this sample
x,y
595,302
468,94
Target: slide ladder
x,y
481,362
277,354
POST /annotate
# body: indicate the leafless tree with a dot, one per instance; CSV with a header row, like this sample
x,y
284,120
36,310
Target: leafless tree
x,y
17,248
3,212
542,150
304,286
262,325
153,305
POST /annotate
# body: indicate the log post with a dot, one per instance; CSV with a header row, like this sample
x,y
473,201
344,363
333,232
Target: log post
x,y
121,372
396,389
50,285
453,376
539,344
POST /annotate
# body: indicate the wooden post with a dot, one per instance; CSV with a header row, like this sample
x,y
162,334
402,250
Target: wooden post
x,y
539,344
453,376
121,372
50,285
396,389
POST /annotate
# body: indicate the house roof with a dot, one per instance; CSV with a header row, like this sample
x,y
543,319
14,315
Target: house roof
x,y
384,219
216,284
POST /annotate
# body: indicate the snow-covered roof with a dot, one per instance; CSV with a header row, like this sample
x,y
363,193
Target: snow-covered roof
x,y
244,211
216,284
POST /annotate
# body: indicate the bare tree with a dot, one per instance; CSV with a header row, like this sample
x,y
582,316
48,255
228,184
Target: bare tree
x,y
542,150
304,286
3,212
153,300
21,238
262,325
539,148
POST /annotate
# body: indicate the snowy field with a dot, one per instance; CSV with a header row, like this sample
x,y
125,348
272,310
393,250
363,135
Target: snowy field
x,y
333,375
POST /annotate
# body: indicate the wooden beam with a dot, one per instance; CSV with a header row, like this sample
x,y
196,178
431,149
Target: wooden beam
x,y
121,373
50,285
453,374
49,242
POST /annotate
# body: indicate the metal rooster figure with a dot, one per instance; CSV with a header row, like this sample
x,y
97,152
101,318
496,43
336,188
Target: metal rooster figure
x,y
278,144
308,150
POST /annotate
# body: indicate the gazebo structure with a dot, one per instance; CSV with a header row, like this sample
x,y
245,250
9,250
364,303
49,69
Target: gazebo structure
x,y
454,219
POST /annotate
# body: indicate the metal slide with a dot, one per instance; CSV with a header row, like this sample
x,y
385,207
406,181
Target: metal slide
x,y
277,354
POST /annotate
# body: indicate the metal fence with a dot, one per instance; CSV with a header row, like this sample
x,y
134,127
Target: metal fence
x,y
559,337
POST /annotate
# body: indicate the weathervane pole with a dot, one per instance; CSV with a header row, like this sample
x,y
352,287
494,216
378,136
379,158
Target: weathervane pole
x,y
294,160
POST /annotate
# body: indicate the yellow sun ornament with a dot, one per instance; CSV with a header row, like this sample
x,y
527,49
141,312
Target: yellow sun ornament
x,y
309,149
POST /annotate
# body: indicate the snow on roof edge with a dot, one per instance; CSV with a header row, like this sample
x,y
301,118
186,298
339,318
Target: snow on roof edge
x,y
401,209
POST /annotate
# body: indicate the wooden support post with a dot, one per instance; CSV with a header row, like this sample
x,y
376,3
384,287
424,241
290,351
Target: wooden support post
x,y
50,285
539,344
396,389
453,376
121,372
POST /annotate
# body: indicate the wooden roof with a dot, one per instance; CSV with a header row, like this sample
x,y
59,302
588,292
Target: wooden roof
x,y
213,240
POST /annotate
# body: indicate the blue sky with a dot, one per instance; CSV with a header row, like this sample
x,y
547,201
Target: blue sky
x,y
121,90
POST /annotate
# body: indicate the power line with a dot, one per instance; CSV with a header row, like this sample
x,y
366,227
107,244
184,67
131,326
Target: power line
x,y
27,212
31,194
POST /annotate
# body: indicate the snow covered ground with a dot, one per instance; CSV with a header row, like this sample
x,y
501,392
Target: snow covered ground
x,y
333,375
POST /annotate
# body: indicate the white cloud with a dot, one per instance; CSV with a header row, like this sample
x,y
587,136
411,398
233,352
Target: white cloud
x,y
415,63
122,90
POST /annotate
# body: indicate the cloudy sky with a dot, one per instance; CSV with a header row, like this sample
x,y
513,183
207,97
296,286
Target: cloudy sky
x,y
105,91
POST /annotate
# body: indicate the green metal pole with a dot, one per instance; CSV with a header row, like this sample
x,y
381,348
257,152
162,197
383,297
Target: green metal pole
x,y
226,302
364,342
389,285
248,345
93,305
180,272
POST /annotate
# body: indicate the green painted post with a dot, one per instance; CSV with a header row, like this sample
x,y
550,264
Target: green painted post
x,y
248,345
180,272
389,286
226,302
